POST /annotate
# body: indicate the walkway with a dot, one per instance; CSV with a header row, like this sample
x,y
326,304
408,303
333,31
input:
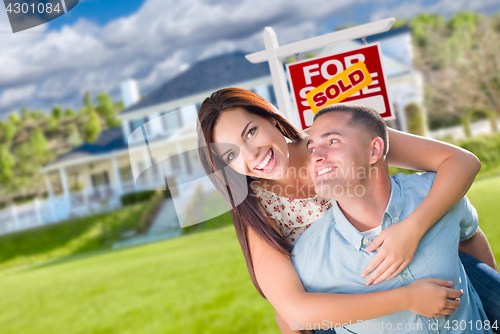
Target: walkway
x,y
165,226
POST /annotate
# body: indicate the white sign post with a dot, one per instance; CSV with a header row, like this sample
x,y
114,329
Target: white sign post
x,y
275,53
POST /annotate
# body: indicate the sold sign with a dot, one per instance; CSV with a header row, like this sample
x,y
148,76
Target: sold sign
x,y
339,87
355,76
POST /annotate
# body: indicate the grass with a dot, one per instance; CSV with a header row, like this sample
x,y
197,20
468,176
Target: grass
x,y
485,196
197,283
68,238
193,284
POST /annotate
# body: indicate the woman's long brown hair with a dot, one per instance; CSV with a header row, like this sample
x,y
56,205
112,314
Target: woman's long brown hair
x,y
249,213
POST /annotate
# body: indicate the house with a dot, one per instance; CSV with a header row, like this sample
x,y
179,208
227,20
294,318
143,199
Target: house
x,y
92,177
157,139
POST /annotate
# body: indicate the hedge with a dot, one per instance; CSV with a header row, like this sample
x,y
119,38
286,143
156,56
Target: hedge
x,y
141,196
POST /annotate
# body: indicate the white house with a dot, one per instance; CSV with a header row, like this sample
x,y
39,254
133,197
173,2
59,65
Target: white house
x,y
161,127
92,177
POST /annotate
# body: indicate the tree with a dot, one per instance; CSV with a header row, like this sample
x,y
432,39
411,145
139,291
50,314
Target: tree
x,y
416,119
39,146
87,107
56,112
6,163
87,99
14,118
26,167
52,124
92,128
9,131
69,112
461,61
25,114
73,136
106,109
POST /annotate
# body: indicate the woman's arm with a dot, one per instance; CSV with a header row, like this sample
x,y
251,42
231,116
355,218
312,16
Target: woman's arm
x,y
478,247
282,287
456,169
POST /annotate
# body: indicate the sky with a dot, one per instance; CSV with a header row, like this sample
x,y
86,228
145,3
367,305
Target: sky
x,y
101,43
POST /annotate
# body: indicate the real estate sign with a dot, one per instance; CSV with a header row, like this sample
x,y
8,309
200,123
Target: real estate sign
x,y
354,76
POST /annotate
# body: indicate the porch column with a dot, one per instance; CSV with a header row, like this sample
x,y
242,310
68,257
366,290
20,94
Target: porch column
x,y
181,176
38,215
13,212
147,163
64,181
181,159
118,180
51,198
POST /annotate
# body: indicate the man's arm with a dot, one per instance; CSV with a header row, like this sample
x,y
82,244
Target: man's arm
x,y
477,246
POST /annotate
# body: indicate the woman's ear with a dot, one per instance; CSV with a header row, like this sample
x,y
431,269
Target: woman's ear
x,y
274,121
377,150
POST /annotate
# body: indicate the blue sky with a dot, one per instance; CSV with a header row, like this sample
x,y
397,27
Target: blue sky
x,y
101,43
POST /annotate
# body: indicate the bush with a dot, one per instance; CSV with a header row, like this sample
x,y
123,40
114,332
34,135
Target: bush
x,y
141,196
70,237
415,118
485,147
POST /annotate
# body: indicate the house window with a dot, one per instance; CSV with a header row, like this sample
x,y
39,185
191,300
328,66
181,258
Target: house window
x,y
179,118
175,162
99,179
171,120
74,182
134,124
126,173
188,162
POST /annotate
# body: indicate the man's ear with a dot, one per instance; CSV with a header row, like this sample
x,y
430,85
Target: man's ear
x,y
377,150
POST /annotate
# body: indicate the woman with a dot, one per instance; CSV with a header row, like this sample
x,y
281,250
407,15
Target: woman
x,y
261,152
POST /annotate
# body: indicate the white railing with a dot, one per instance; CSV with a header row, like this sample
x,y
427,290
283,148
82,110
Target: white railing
x,y
58,208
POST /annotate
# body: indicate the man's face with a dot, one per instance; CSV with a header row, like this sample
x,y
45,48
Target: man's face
x,y
340,155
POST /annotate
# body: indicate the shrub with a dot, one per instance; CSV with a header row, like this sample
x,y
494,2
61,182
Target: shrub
x,y
485,147
141,196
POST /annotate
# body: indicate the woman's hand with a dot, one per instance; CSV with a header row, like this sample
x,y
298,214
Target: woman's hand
x,y
398,244
431,297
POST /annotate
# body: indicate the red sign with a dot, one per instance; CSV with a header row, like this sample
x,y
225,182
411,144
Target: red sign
x,y
308,74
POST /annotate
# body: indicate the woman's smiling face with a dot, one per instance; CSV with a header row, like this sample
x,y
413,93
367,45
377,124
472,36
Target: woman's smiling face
x,y
263,150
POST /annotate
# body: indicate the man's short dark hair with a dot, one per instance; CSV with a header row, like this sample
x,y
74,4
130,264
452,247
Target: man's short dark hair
x,y
362,116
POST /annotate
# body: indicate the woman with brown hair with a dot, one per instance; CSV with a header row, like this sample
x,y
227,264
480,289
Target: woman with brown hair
x,y
248,134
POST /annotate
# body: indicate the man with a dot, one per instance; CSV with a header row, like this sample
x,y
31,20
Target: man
x,y
348,148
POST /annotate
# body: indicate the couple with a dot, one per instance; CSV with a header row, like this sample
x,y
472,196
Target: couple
x,y
269,223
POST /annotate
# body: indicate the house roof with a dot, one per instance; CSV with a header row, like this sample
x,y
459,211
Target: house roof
x,y
388,34
109,140
206,75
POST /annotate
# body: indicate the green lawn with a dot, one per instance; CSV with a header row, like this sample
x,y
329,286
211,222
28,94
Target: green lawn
x,y
485,196
67,238
193,284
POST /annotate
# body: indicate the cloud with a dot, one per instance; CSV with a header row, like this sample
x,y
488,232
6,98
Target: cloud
x,y
12,96
152,44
